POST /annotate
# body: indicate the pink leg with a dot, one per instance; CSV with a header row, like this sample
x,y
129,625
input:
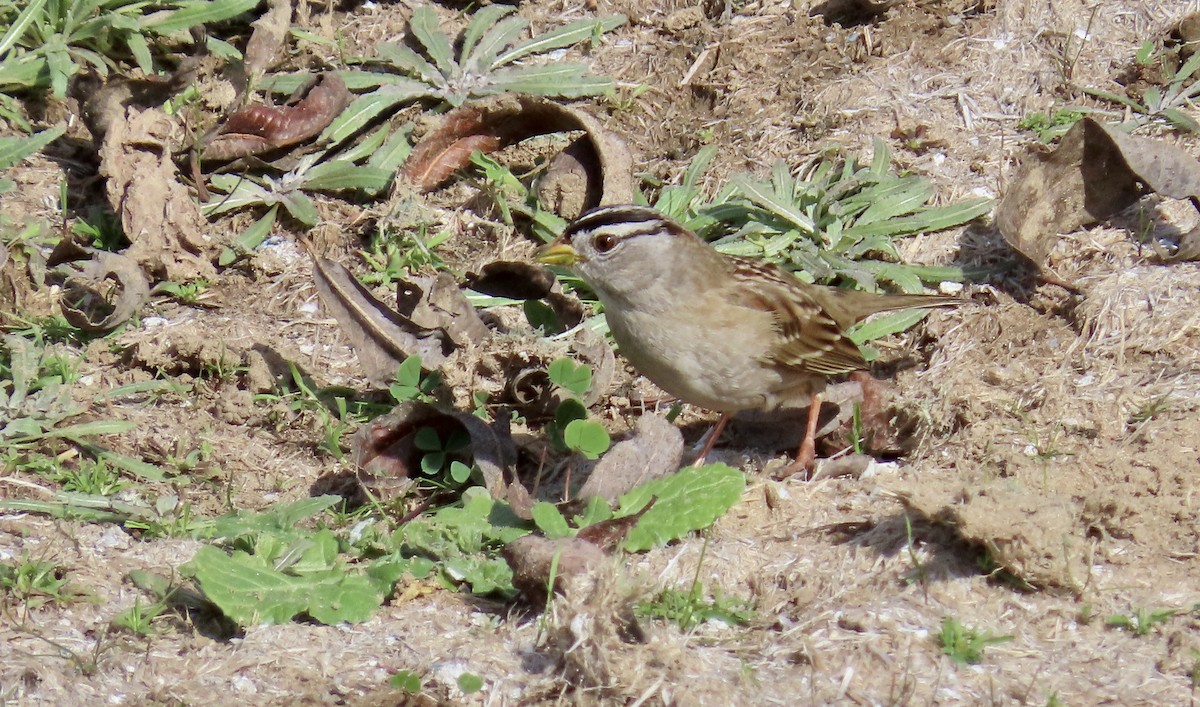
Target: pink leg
x,y
806,456
711,441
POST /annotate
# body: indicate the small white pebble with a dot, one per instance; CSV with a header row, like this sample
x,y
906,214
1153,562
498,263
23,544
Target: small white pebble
x,y
243,684
151,322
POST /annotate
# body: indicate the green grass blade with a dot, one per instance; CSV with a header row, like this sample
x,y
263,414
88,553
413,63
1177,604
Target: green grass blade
x,y
494,41
883,325
928,221
881,159
410,63
893,199
30,71
367,107
301,208
61,69
136,467
340,175
566,80
15,149
1183,74
239,192
394,151
141,53
151,387
197,13
1181,120
1116,98
365,147
62,510
695,170
250,238
480,22
424,26
15,31
762,197
564,36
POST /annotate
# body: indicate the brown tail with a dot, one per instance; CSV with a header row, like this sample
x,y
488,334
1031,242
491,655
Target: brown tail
x,y
857,306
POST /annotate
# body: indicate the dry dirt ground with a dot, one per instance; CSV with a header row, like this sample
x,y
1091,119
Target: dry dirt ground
x,y
1054,484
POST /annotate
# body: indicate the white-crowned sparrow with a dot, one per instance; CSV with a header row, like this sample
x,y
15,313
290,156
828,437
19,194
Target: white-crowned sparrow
x,y
723,332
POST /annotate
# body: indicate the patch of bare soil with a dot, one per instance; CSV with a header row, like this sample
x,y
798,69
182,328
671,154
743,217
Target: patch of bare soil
x,y
1053,487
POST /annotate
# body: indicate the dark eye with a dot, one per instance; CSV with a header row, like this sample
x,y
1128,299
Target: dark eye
x,y
604,242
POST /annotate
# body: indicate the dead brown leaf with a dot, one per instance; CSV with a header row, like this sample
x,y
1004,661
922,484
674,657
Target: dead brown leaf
x,y
437,302
22,274
167,233
492,123
511,278
1096,172
569,186
270,30
609,534
381,337
261,128
532,557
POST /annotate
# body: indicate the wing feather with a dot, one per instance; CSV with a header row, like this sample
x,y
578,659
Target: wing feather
x,y
811,340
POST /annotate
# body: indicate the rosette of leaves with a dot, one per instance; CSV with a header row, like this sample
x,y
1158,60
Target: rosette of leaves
x,y
488,62
829,220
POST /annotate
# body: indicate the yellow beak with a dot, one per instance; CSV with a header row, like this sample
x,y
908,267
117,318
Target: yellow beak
x,y
558,254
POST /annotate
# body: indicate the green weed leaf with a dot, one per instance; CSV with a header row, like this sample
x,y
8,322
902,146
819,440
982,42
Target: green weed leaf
x,y
686,501
587,437
250,591
573,377
550,521
15,149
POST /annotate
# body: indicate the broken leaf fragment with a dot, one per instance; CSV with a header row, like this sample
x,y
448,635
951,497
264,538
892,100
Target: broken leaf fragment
x,y
655,450
1096,172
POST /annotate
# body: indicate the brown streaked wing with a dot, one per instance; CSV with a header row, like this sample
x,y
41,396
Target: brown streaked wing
x,y
811,341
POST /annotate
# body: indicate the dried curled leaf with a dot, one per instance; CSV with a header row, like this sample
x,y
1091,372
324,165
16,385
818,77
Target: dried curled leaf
x,y
381,337
261,128
439,303
101,290
1096,172
270,30
493,123
570,186
514,279
387,448
535,560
